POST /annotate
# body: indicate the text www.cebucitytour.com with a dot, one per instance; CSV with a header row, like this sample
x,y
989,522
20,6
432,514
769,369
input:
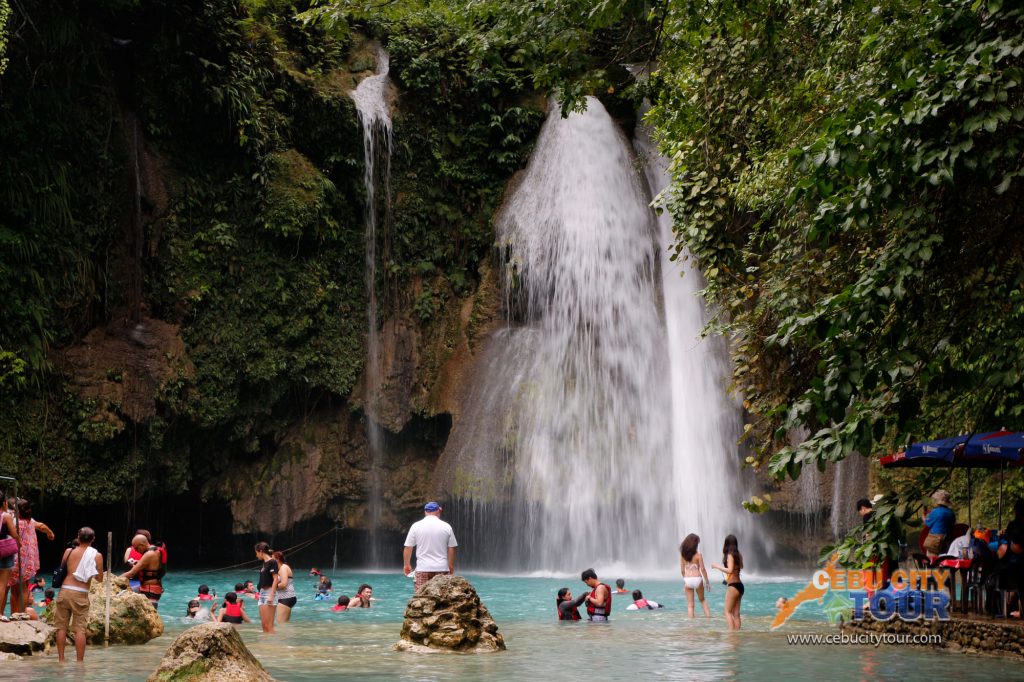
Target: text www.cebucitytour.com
x,y
863,639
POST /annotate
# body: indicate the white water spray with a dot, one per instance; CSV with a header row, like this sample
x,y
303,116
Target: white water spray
x,y
591,453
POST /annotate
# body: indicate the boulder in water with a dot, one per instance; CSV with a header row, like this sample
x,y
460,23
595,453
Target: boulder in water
x,y
211,652
133,620
445,614
25,637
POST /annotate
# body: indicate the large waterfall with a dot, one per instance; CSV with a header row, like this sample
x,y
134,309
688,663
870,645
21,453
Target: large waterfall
x,y
591,439
375,119
597,432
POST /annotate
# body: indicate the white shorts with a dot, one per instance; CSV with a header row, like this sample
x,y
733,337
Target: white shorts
x,y
265,598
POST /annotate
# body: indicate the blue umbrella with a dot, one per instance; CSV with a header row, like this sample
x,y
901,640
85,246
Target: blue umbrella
x,y
994,449
931,453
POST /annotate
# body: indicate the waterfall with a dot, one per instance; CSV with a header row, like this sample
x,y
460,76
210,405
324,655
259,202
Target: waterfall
x,y
375,120
596,430
705,422
591,436
850,481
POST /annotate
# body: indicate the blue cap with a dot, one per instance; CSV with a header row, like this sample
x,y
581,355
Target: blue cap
x,y
431,507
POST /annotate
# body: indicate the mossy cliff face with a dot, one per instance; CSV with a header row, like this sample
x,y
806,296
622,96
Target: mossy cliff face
x,y
190,301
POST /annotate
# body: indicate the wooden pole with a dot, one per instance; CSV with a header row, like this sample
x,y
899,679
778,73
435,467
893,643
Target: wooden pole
x,y
106,588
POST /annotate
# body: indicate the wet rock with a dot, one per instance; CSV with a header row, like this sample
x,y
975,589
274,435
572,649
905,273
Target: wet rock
x,y
25,637
211,652
446,615
132,618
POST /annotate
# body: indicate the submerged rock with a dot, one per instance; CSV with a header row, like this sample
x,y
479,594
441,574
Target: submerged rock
x,y
212,652
25,637
446,615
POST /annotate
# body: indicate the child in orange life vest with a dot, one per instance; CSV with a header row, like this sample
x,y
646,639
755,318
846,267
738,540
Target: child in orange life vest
x,y
233,611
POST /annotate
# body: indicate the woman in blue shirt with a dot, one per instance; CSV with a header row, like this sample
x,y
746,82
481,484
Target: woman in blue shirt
x,y
940,522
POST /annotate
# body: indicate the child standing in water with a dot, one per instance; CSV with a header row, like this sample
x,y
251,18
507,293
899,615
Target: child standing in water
x,y
732,563
695,576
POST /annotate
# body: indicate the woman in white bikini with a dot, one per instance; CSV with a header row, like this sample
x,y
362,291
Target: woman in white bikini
x,y
695,576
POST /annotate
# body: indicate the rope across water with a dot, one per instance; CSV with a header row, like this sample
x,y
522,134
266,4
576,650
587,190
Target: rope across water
x,y
291,550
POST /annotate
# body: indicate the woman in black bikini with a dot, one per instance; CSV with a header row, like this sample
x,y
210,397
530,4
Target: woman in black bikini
x,y
732,563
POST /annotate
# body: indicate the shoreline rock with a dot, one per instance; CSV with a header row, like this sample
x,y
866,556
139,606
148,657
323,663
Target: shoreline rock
x,y
26,637
211,652
446,615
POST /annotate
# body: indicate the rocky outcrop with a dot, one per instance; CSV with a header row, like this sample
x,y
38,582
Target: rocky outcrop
x,y
212,652
25,637
322,467
446,615
1005,638
132,619
118,372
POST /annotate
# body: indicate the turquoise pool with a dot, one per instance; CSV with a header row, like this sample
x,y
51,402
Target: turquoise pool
x,y
319,645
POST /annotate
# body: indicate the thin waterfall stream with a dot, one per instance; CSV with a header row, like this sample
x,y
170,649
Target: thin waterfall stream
x,y
706,422
375,119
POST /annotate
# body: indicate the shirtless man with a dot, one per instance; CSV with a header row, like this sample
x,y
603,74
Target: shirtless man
x,y
72,606
149,569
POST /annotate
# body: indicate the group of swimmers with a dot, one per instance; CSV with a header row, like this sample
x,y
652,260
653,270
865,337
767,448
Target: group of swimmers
x,y
598,600
274,593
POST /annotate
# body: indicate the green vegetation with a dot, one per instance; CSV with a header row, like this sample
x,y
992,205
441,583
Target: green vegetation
x,y
252,231
846,173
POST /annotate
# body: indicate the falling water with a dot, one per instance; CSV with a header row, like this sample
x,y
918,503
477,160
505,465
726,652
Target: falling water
x,y
706,423
591,461
597,431
375,119
849,484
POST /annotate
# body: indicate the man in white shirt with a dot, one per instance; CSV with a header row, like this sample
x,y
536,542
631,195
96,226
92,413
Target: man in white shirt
x,y
435,546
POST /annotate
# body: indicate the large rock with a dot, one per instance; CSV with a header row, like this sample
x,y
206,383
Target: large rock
x,y
211,652
25,637
446,615
133,620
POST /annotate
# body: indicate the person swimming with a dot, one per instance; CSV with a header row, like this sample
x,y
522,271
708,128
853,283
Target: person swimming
x,y
198,612
640,603
342,604
568,608
364,595
620,586
233,610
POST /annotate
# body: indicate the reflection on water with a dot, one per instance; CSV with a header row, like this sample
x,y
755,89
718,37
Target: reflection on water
x,y
319,645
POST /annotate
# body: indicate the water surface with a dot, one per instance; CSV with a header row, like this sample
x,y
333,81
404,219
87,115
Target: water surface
x,y
319,645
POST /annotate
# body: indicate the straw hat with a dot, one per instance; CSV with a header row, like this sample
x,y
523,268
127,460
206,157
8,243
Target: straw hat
x,y
941,497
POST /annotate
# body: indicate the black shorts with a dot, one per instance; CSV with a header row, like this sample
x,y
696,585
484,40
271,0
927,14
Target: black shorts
x,y
289,601
237,620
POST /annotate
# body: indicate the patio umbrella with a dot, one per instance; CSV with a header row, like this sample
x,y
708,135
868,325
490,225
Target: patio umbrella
x,y
991,450
932,453
1001,449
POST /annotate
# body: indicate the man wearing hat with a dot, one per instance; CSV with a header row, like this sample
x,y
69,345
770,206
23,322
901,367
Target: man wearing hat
x,y
940,522
435,546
